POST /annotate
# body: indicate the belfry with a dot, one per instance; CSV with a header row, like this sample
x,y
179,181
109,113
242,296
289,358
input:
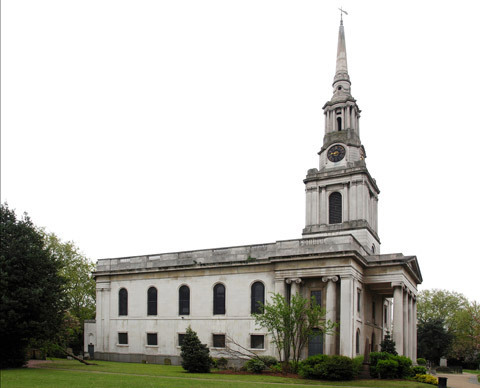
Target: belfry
x,y
145,303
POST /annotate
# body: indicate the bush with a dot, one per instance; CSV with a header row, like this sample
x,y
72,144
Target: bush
x,y
404,366
269,360
327,368
357,365
195,355
427,379
374,358
387,369
421,361
222,363
419,370
255,365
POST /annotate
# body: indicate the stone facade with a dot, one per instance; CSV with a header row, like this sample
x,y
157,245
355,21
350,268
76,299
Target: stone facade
x,y
146,303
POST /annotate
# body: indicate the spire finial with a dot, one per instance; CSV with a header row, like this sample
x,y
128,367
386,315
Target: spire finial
x,y
342,11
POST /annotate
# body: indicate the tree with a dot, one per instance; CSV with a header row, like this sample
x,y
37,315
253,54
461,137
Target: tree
x,y
388,345
440,304
466,344
433,339
31,288
292,324
79,287
195,355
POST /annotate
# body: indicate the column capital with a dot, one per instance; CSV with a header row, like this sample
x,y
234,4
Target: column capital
x,y
399,284
333,279
293,280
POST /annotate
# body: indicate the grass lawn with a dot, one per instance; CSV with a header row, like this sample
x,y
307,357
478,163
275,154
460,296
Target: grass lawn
x,y
72,374
475,372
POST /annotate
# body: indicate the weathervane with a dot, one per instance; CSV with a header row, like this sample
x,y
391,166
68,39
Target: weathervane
x,y
342,11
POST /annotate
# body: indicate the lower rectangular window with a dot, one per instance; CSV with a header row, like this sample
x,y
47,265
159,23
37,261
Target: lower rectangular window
x,y
257,341
219,340
152,339
123,338
181,338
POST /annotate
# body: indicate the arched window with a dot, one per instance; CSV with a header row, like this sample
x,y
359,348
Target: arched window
x,y
123,302
152,301
357,342
219,299
184,301
335,208
258,295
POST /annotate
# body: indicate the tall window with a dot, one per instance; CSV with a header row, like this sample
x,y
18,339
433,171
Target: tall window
x,y
372,349
339,123
373,311
219,299
184,301
357,342
122,302
359,300
257,298
335,208
152,301
318,297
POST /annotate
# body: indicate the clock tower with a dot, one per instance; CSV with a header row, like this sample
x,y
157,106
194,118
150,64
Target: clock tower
x,y
342,196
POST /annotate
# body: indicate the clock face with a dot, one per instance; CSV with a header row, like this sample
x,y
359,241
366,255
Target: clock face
x,y
336,153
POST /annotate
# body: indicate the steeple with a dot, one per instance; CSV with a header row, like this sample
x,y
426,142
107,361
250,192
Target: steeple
x,y
341,81
342,196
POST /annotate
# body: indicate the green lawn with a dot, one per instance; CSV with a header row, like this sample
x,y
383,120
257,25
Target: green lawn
x,y
475,372
126,375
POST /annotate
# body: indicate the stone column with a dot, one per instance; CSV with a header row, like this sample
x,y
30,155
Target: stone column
x,y
405,323
398,317
410,325
280,287
331,307
295,282
347,335
414,308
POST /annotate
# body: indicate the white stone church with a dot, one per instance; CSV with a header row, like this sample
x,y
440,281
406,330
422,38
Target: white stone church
x,y
146,303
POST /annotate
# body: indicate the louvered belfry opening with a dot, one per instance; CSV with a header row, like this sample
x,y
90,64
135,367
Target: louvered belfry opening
x,y
335,208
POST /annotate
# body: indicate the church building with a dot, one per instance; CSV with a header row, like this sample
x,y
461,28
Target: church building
x,y
146,303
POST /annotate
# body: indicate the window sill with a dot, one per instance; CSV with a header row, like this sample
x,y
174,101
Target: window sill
x,y
215,348
257,349
123,345
151,346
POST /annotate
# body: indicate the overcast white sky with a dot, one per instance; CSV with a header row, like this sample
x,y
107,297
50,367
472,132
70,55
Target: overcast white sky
x,y
140,127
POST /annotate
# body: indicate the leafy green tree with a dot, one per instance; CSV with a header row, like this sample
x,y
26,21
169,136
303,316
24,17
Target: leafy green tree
x,y
440,304
466,343
292,324
31,289
79,287
195,355
433,339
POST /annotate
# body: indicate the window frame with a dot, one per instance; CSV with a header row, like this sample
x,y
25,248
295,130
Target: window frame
x,y
254,307
263,341
219,301
156,339
184,302
218,336
335,208
152,303
122,302
121,333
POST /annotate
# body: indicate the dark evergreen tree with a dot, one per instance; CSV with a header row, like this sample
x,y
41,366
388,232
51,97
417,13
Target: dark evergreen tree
x,y
388,345
195,355
433,339
31,290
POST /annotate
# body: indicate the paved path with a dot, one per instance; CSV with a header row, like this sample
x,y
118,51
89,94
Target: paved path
x,y
465,380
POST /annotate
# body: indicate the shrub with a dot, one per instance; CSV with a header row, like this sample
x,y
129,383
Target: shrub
x,y
269,360
222,363
327,368
276,368
374,358
421,361
428,379
419,370
404,366
255,365
195,355
357,365
387,369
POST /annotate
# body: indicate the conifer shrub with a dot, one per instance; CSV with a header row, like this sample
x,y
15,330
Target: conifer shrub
x,y
195,355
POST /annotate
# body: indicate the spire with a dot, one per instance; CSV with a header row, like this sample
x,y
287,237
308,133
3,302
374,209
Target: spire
x,y
341,81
